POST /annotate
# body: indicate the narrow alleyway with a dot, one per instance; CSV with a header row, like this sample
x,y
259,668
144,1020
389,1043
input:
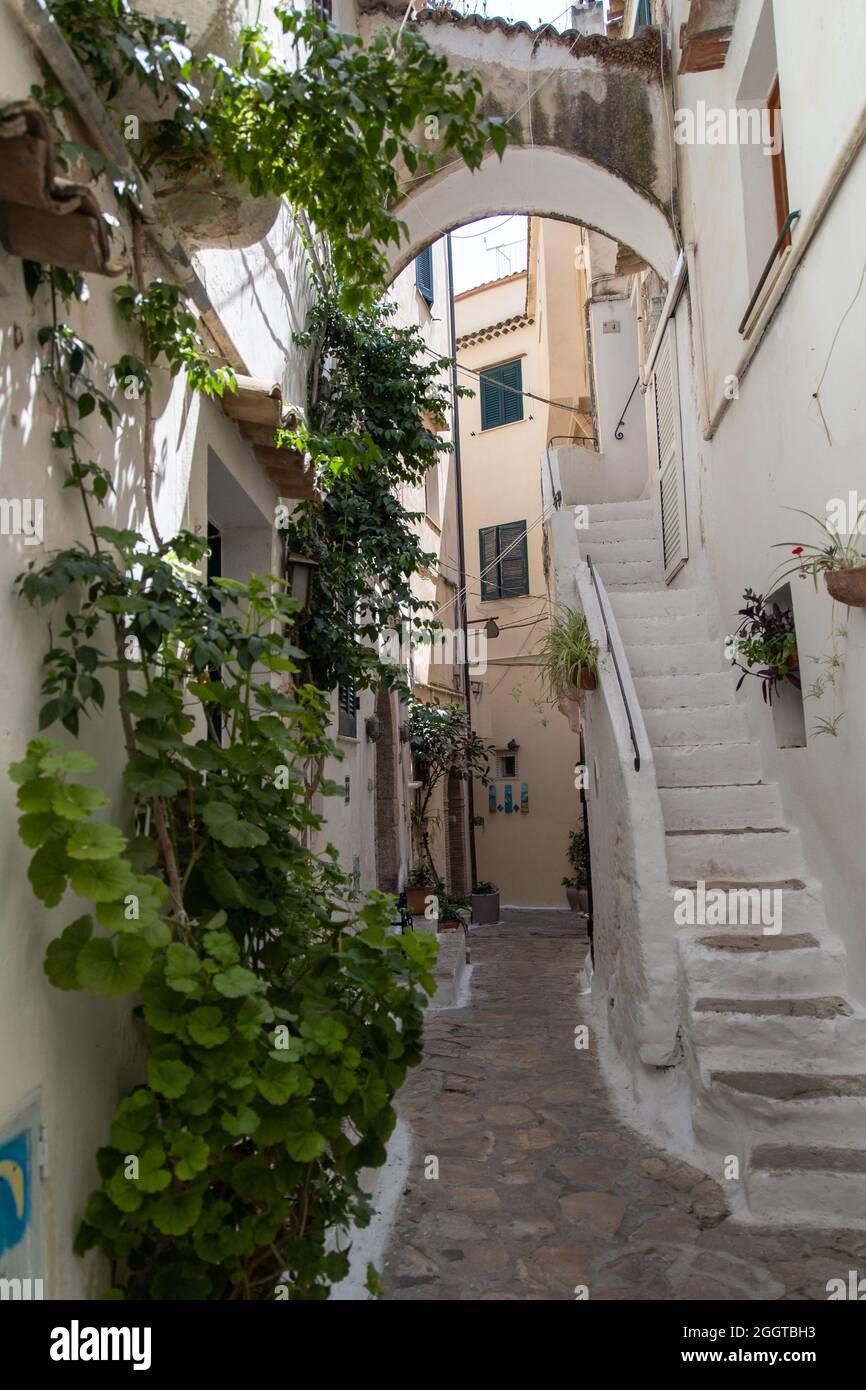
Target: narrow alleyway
x,y
541,1188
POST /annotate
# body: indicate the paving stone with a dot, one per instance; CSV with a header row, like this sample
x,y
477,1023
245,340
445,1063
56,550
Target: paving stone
x,y
508,1114
542,1186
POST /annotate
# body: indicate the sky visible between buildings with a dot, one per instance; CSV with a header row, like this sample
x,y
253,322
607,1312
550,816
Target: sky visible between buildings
x,y
496,246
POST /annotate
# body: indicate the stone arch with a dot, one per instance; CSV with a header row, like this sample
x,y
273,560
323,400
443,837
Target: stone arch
x,y
593,127
386,819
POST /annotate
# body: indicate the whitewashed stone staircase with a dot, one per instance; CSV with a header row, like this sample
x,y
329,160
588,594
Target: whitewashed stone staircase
x,y
776,1052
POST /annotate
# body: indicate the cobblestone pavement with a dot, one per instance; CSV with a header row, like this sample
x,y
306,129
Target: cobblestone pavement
x,y
541,1187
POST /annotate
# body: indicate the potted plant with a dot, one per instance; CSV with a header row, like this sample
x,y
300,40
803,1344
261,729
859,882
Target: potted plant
x,y
485,903
450,907
419,886
568,659
764,645
841,560
575,883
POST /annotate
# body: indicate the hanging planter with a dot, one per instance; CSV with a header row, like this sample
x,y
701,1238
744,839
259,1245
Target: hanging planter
x,y
847,586
568,663
213,212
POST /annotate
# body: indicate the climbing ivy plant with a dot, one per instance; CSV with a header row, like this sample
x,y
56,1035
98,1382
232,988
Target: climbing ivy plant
x,y
370,413
279,1019
326,131
279,1016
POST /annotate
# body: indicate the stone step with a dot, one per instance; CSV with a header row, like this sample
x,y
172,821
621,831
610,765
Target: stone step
x,y
675,659
809,1185
708,764
740,963
668,630
755,806
788,908
604,551
737,1110
629,571
712,724
683,692
620,511
743,856
654,603
808,1033
638,528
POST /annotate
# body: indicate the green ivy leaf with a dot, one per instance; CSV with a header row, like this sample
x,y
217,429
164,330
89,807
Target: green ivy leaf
x,y
206,1026
177,1212
95,841
236,982
304,1147
61,957
223,823
169,1076
48,872
113,967
191,1153
243,1121
182,968
102,880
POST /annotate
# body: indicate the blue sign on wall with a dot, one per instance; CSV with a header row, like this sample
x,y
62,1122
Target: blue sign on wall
x,y
16,1185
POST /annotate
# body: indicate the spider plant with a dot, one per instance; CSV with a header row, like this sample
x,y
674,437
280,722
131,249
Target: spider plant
x,y
566,652
834,551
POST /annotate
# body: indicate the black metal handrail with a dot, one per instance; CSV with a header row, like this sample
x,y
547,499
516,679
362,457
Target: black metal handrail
x,y
786,227
612,651
619,432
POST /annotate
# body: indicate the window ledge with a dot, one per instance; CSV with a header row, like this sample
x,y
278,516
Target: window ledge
x,y
509,424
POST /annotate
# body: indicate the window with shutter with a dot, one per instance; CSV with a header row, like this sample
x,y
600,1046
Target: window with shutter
x,y
669,457
347,710
501,399
424,274
504,560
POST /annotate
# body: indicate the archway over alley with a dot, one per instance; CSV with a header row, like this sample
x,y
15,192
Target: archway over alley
x,y
591,133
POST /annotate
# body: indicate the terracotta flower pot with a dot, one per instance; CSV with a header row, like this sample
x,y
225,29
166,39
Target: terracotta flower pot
x,y
583,900
588,680
416,900
449,926
573,895
847,586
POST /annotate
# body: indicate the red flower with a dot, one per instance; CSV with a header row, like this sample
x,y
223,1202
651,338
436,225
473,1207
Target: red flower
x,y
798,550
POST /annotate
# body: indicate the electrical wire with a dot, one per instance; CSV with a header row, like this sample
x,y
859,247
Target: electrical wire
x,y
515,390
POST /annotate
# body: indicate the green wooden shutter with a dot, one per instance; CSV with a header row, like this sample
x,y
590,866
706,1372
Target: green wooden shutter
x,y
513,566
489,550
424,274
347,710
511,374
492,401
501,401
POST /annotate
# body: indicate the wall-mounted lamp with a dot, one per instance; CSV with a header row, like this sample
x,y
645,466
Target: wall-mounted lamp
x,y
512,745
299,568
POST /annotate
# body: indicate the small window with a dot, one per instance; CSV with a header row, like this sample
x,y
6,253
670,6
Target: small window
x,y
431,494
501,399
504,560
506,765
777,160
347,710
424,274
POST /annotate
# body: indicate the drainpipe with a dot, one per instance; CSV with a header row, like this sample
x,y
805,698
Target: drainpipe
x,y
461,553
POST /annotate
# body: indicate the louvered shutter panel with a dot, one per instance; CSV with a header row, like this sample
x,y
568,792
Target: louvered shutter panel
x,y
511,376
347,705
514,560
424,273
669,457
489,567
492,401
